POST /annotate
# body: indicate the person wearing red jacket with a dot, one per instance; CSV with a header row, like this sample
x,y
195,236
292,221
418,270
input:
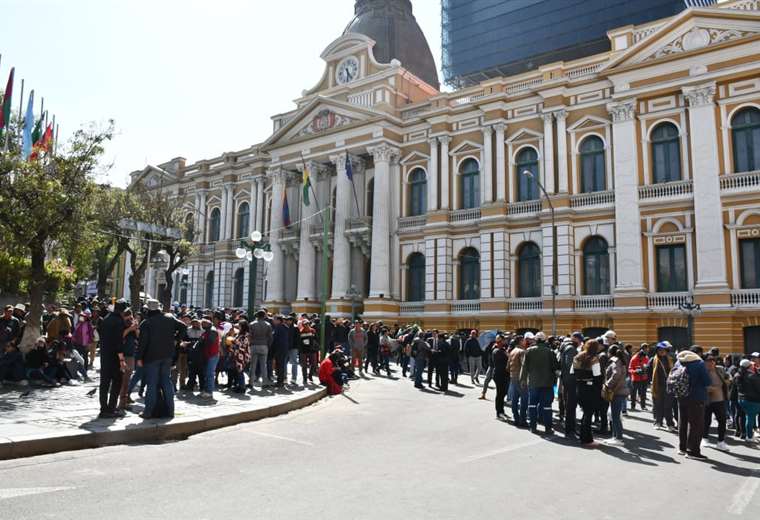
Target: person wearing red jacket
x,y
330,373
637,369
211,342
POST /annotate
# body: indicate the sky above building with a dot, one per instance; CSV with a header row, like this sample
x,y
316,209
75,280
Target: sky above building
x,y
190,78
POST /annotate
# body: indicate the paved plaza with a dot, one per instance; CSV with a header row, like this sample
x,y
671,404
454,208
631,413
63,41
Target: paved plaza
x,y
387,450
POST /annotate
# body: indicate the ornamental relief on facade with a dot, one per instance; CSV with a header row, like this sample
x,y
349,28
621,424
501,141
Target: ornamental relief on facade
x,y
325,120
697,38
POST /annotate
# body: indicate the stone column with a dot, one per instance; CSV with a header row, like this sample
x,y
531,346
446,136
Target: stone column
x,y
224,209
341,275
307,258
380,261
430,252
501,177
549,153
486,173
445,161
252,208
395,212
260,204
703,135
202,217
432,176
630,275
276,268
561,116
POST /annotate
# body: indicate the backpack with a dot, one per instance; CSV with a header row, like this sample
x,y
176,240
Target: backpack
x,y
678,384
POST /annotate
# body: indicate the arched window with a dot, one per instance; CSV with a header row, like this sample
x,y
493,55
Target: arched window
x,y
417,192
527,188
469,274
415,281
244,216
592,165
214,224
189,227
745,131
750,259
596,266
237,287
666,153
529,271
209,299
469,176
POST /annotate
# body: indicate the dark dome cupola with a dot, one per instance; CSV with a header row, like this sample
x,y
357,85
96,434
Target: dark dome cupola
x,y
392,25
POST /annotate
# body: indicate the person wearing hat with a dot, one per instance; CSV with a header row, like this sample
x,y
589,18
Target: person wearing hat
x,y
9,327
538,375
691,407
662,402
500,375
158,337
19,312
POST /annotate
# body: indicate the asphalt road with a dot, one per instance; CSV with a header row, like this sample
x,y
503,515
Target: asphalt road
x,y
386,450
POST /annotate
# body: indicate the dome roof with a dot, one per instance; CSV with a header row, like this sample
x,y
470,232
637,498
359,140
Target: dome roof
x,y
393,26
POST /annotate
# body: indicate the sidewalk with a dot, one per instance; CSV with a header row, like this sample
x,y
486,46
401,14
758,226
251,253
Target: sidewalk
x,y
35,421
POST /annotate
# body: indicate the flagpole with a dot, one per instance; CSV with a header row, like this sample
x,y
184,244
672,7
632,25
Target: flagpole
x,y
311,187
353,187
55,142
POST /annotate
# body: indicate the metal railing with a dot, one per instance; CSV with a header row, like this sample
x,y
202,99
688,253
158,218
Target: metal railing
x,y
594,302
747,181
745,298
412,307
412,222
525,207
666,189
465,306
463,215
522,86
596,198
666,300
526,304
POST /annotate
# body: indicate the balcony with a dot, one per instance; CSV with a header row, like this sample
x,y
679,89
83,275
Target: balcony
x,y
669,301
526,304
465,306
597,198
412,307
667,190
740,182
745,298
526,207
290,233
596,302
464,215
359,233
417,221
358,223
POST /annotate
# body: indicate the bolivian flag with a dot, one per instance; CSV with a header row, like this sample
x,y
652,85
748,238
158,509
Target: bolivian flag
x,y
306,184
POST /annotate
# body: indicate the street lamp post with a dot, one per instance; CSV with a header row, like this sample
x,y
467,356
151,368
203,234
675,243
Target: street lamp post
x,y
529,174
252,251
692,310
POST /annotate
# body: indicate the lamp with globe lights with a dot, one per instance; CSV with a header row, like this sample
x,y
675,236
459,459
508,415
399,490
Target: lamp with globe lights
x,y
253,249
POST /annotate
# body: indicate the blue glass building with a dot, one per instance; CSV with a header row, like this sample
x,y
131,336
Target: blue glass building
x,y
488,38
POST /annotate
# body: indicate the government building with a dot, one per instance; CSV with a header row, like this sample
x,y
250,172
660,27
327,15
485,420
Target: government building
x,y
617,190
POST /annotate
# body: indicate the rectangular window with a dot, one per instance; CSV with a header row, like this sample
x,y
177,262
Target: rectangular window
x,y
750,263
671,269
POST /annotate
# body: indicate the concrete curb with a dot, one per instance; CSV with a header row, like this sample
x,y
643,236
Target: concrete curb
x,y
146,432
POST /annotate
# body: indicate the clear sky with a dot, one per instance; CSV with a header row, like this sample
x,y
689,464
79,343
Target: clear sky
x,y
191,78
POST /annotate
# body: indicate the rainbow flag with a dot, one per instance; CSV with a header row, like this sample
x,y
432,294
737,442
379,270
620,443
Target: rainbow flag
x,y
285,210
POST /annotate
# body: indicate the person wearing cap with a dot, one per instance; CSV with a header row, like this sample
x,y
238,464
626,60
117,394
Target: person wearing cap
x,y
538,375
112,361
662,402
747,381
9,327
19,312
474,355
158,335
691,408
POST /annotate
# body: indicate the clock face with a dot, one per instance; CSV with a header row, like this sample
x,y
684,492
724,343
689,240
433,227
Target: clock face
x,y
348,70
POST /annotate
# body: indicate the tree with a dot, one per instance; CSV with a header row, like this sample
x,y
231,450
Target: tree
x,y
45,203
112,205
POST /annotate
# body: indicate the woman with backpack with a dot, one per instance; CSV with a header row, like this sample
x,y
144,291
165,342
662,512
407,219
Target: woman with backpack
x,y
747,382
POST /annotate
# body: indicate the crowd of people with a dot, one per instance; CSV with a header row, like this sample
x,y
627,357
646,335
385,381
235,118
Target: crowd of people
x,y
158,353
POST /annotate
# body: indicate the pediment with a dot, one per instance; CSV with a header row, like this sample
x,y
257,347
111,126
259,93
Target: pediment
x,y
415,157
524,134
466,147
587,122
151,177
691,31
318,117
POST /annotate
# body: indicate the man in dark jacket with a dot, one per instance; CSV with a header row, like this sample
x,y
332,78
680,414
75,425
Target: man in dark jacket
x,y
569,389
538,374
112,362
281,341
159,333
691,409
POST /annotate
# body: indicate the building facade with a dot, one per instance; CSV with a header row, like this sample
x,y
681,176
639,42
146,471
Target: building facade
x,y
650,155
